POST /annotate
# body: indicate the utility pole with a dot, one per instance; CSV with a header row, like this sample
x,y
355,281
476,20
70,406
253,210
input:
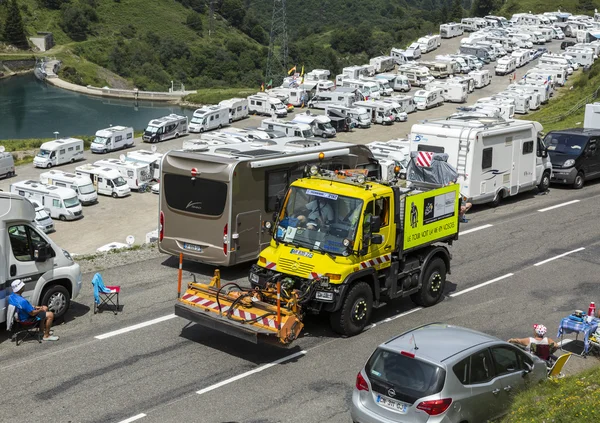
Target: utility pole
x,y
211,18
277,61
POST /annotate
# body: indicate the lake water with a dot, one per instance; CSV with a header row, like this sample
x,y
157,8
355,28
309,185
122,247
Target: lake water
x,y
30,108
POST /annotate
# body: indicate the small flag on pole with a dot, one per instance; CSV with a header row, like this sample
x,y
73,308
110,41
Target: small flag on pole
x,y
270,84
262,87
292,70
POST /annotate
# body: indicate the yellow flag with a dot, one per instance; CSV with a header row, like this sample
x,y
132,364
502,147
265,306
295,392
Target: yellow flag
x,y
302,73
292,70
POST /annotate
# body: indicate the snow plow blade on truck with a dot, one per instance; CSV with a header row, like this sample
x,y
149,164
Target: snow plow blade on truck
x,y
258,316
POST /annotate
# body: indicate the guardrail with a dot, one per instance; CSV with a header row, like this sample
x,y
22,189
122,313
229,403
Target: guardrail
x,y
573,109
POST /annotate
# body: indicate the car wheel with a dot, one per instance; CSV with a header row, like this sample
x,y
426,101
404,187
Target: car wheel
x,y
49,165
324,135
497,199
72,161
114,195
57,299
434,280
62,218
579,181
355,312
545,182
201,130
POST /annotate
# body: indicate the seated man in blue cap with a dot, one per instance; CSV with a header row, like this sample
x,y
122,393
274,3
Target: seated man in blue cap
x,y
28,312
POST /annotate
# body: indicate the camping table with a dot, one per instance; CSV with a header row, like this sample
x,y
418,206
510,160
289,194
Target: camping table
x,y
571,326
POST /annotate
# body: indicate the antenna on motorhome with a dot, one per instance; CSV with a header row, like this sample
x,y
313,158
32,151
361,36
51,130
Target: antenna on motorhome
x,y
130,240
154,148
122,157
56,134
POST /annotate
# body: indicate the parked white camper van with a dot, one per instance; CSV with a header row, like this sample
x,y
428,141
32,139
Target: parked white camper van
x,y
238,108
136,174
151,158
7,164
165,128
208,118
57,152
289,128
107,181
82,186
429,43
61,203
43,221
450,30
494,159
263,104
426,99
506,65
111,139
383,63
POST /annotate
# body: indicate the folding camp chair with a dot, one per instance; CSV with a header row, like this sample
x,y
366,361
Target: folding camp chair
x,y
105,295
30,328
541,350
556,370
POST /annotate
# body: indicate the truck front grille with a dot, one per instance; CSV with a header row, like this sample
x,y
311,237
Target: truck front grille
x,y
296,268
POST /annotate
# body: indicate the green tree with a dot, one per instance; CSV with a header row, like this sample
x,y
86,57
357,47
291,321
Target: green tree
x,y
233,11
444,14
52,4
586,6
194,22
457,11
14,33
259,34
75,20
482,7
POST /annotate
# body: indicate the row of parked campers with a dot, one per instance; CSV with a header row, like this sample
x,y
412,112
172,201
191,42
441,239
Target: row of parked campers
x,y
60,203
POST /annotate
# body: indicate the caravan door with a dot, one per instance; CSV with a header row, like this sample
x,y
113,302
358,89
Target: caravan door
x,y
247,235
516,166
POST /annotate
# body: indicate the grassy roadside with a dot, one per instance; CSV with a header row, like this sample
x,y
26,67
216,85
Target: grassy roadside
x,y
215,95
572,399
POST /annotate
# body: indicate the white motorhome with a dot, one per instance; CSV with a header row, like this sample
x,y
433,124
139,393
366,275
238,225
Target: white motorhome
x,y
317,75
384,87
81,185
397,111
355,72
106,180
594,45
507,110
209,117
413,52
583,56
535,99
263,104
389,155
494,158
238,108
506,65
418,76
136,174
111,139
289,128
429,43
556,59
451,30
383,63
591,118
399,55
522,57
343,96
406,103
381,113
469,25
43,221
359,116
50,275
57,152
480,52
559,72
426,99
466,80
151,158
543,90
294,95
396,81
367,88
61,203
482,78
7,164
165,128
319,124
452,92
438,69
459,63
521,100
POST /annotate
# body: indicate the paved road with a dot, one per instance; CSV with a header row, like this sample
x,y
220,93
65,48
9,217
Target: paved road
x,y
158,369
114,219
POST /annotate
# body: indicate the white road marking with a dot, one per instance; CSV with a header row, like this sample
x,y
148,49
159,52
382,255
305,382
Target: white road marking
x,y
134,327
456,294
478,228
251,372
389,319
559,205
134,418
559,256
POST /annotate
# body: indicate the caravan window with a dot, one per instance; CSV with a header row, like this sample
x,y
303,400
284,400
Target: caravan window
x,y
118,138
23,241
129,135
62,151
130,173
199,196
486,158
77,148
528,147
70,148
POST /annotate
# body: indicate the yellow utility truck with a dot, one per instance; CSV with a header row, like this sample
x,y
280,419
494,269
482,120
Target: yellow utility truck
x,y
343,244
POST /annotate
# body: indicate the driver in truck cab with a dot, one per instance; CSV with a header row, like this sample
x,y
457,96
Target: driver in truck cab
x,y
320,213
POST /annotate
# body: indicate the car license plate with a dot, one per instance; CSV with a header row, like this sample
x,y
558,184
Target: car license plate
x,y
391,404
192,247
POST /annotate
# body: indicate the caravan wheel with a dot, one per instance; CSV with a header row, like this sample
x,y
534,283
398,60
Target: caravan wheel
x,y
49,165
220,126
497,199
176,135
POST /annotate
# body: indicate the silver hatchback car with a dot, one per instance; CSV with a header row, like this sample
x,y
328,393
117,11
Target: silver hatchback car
x,y
441,373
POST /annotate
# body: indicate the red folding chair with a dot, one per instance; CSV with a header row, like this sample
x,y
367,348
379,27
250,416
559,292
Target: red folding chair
x,y
29,328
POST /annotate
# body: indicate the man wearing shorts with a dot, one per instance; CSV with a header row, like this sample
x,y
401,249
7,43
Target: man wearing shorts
x,y
27,312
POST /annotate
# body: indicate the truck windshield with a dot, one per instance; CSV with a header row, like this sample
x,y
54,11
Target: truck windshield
x,y
44,153
152,129
319,220
71,202
119,182
570,144
86,189
419,99
101,140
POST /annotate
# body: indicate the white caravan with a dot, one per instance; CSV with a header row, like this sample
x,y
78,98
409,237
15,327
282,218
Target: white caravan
x,y
452,92
466,80
295,96
495,159
209,117
543,90
521,100
165,128
61,203
399,55
413,52
57,152
317,75
381,113
506,65
263,104
343,96
559,73
429,43
399,114
82,186
367,88
383,63
50,275
482,78
396,81
136,174
459,63
107,181
556,59
43,221
289,128
389,155
359,116
450,30
7,164
426,99
319,124
238,108
384,87
438,69
469,25
406,102
355,72
111,139
151,158
418,76
594,45
522,57
583,56
507,110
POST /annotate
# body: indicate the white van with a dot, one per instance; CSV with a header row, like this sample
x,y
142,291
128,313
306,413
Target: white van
x,y
521,100
294,95
238,108
506,65
367,88
111,139
380,113
359,116
107,181
559,71
453,92
522,57
450,30
343,96
81,185
399,55
263,104
507,110
406,102
413,52
151,158
429,43
136,174
7,164
583,56
320,125
426,99
61,203
43,221
291,129
51,276
57,152
396,82
208,118
482,78
418,76
165,128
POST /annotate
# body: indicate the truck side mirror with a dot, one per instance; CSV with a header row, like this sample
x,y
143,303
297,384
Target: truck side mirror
x,y
376,239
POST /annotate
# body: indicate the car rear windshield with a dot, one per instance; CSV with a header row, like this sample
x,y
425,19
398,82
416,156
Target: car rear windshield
x,y
410,378
200,196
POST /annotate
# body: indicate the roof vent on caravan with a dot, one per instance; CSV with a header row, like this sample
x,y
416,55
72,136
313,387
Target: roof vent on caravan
x,y
302,143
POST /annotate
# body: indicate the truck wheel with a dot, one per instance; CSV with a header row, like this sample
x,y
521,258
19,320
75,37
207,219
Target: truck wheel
x,y
324,135
434,281
49,165
579,180
355,312
57,300
545,182
62,218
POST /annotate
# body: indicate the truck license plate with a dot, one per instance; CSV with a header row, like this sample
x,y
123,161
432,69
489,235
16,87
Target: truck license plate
x,y
391,404
192,247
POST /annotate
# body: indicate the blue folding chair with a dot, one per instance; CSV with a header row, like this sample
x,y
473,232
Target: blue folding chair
x,y
105,295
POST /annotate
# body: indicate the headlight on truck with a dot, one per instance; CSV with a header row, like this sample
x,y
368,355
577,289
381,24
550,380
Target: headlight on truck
x,y
324,296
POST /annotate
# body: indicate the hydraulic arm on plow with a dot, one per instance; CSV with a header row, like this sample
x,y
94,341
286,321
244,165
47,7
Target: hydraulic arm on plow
x,y
270,314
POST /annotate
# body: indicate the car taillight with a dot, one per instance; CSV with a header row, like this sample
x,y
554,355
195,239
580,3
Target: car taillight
x,y
361,383
225,240
161,227
435,407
